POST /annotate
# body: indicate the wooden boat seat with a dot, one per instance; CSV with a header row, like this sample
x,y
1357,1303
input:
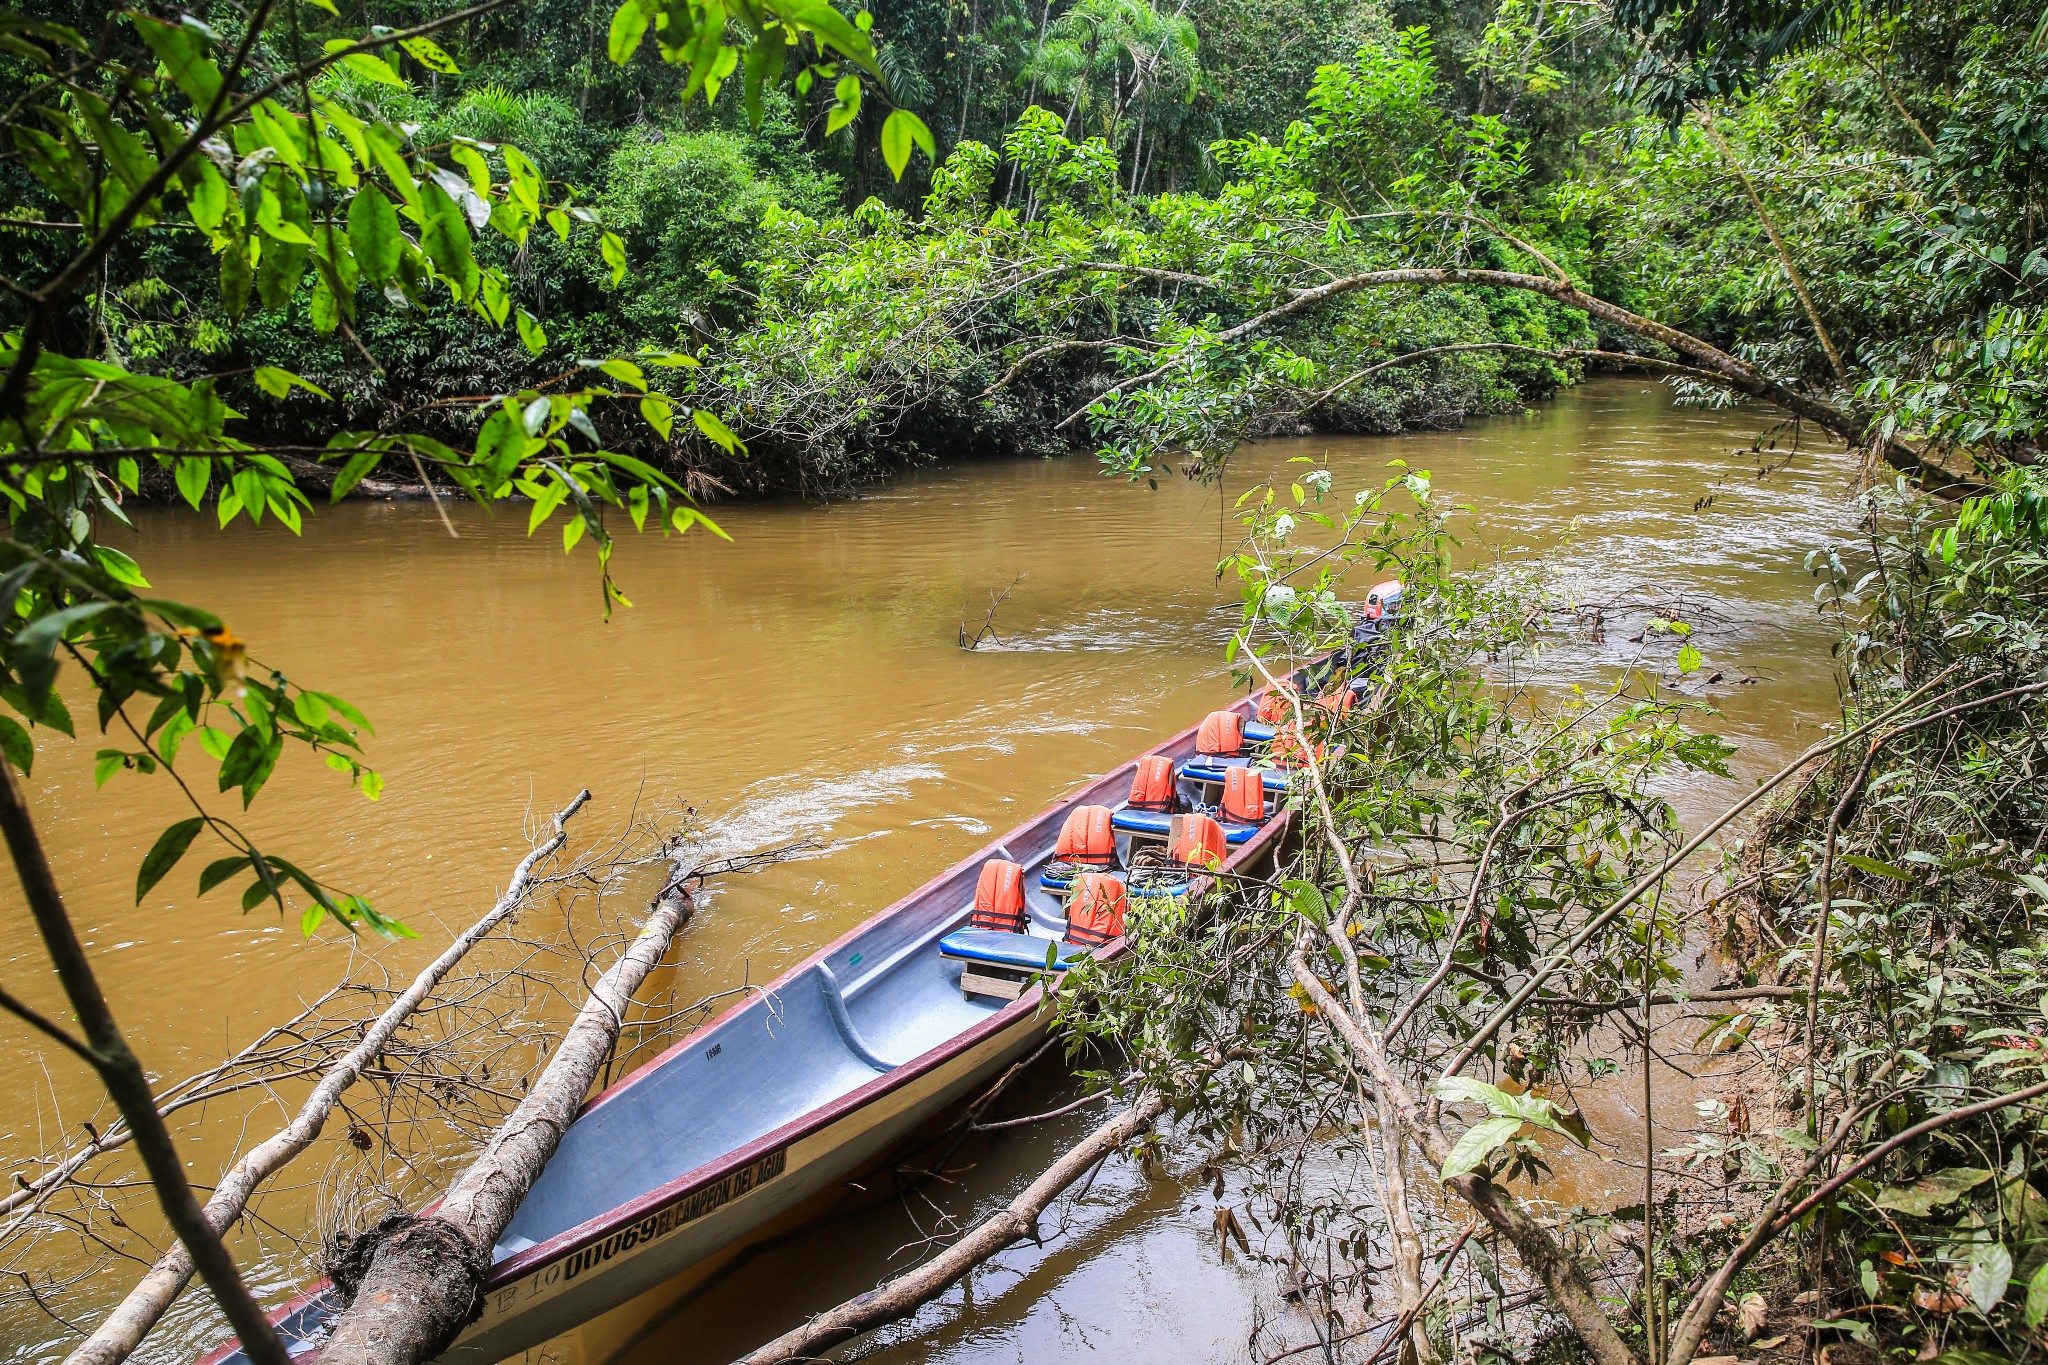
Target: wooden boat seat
x,y
1018,952
1154,825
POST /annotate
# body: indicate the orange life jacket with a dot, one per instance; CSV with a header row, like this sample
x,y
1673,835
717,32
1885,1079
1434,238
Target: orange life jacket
x,y
1338,702
1221,735
1197,841
1277,705
1286,751
1086,838
1152,785
999,897
1244,795
1096,914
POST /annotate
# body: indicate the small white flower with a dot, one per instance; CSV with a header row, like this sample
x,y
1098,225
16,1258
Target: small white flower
x,y
1280,601
1317,481
1283,526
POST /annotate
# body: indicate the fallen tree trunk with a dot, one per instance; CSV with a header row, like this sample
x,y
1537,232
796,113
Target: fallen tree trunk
x,y
413,1283
905,1294
123,1329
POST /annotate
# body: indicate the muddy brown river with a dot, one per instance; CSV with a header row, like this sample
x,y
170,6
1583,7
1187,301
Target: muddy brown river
x,y
806,681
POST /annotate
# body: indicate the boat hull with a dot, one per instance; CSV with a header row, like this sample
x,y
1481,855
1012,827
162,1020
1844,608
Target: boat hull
x,y
780,1098
550,1300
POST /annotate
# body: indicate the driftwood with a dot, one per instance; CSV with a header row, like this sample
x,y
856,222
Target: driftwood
x,y
415,1282
1018,1220
123,1329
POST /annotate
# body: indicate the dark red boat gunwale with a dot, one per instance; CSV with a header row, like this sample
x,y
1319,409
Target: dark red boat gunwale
x,y
597,1229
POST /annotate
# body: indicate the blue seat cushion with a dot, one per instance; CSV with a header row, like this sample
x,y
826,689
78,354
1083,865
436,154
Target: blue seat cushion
x,y
1257,733
1025,952
1153,823
1213,771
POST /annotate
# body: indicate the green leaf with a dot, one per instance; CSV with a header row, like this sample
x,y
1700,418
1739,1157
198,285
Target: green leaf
x,y
374,235
613,249
164,854
1990,1274
119,566
846,105
35,648
219,871
658,412
431,55
710,425
365,64
531,332
359,465
277,383
1690,659
1308,899
1931,1192
183,53
1476,1144
446,241
900,131
1881,869
16,744
629,26
105,764
2037,1298
193,473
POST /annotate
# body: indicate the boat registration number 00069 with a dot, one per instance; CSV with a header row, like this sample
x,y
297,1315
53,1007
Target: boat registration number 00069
x,y
651,1228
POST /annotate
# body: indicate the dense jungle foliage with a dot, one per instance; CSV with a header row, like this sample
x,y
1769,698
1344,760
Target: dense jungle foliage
x,y
1853,209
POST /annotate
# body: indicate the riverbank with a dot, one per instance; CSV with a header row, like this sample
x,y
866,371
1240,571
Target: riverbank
x,y
953,427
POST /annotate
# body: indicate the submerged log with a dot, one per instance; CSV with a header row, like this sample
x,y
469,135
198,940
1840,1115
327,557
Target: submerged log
x,y
122,1331
1015,1222
414,1282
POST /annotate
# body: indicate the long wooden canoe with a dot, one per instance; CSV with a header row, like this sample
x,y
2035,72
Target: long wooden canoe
x,y
801,1085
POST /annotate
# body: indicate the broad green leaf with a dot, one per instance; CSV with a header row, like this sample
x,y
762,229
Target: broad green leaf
x,y
1990,1274
277,383
2037,1298
431,55
1477,1143
15,743
183,53
1931,1192
1690,659
531,333
35,648
164,854
629,26
613,249
193,473
846,106
446,241
1877,868
900,131
710,425
374,235
658,412
366,64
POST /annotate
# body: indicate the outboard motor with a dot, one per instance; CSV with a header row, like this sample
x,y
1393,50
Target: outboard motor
x,y
1370,627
